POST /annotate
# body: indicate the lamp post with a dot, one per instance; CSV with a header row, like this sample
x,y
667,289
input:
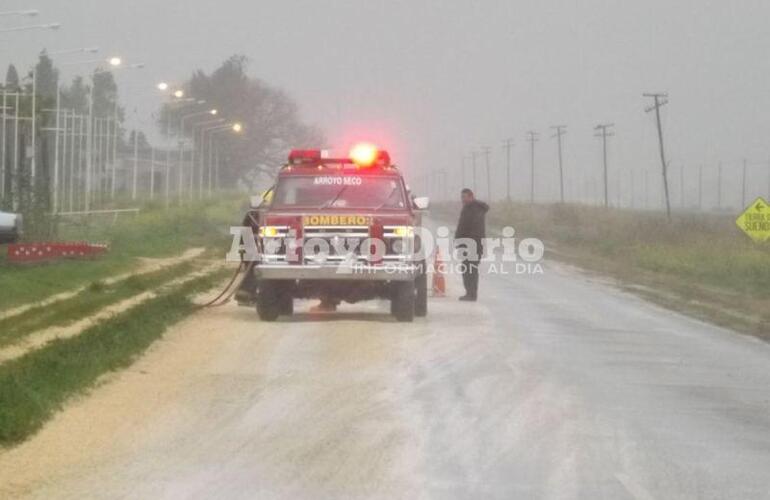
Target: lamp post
x,y
236,128
56,164
179,102
182,120
195,146
211,131
116,63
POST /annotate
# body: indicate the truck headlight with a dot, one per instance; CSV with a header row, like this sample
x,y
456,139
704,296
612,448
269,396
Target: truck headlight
x,y
269,231
403,231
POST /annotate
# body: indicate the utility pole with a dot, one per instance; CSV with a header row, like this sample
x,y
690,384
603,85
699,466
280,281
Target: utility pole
x,y
136,164
445,184
485,151
152,172
646,190
473,167
560,131
532,138
700,187
719,186
743,187
507,145
462,171
603,132
681,185
660,100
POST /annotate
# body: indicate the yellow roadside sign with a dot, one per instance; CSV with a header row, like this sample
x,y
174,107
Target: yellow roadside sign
x,y
755,221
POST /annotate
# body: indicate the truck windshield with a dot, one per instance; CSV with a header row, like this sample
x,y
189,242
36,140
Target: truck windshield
x,y
338,191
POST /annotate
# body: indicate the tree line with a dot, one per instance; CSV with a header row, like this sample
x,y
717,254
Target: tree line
x,y
271,121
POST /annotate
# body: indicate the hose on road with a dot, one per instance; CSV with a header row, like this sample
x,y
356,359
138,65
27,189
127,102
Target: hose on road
x,y
227,293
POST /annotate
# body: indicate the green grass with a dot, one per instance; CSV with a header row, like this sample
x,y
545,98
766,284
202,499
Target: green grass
x,y
703,249
35,386
96,296
154,232
704,258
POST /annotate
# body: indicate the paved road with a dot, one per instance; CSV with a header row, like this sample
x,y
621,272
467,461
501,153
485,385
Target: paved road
x,y
553,386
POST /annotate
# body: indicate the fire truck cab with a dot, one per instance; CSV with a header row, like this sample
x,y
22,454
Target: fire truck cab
x,y
340,229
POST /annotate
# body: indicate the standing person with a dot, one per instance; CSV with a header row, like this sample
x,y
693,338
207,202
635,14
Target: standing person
x,y
471,226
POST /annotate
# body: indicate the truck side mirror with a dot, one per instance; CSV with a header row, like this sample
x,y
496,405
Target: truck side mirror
x,y
422,202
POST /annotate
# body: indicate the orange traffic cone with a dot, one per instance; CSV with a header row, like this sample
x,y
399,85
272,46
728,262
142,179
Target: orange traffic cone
x,y
439,280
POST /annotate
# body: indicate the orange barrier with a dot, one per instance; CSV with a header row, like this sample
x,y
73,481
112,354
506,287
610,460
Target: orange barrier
x,y
439,280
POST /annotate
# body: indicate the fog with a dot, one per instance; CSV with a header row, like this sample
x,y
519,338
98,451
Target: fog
x,y
433,81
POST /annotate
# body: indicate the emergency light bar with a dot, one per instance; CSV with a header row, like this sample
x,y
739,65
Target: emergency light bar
x,y
361,155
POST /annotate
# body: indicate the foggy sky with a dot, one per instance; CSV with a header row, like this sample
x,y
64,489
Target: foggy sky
x,y
432,80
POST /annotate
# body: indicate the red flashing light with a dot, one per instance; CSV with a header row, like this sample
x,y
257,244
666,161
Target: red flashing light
x,y
361,155
298,156
367,155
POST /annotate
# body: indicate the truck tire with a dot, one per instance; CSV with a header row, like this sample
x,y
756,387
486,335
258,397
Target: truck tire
x,y
421,294
402,302
268,300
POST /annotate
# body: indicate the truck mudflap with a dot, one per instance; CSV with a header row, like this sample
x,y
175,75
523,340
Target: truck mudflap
x,y
358,272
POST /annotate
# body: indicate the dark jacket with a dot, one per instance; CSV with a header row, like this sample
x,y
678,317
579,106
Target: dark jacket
x,y
472,223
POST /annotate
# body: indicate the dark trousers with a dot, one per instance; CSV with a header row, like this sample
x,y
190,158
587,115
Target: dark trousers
x,y
471,277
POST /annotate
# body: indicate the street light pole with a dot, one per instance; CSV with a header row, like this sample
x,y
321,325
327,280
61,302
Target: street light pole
x,y
136,163
182,101
195,146
211,131
181,145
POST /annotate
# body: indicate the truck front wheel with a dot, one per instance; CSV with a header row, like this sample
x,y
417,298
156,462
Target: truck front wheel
x,y
269,300
402,301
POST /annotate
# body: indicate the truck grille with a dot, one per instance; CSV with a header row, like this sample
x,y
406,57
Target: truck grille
x,y
339,240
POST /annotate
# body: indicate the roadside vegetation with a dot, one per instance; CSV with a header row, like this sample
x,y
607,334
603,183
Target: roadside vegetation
x,y
154,232
89,301
699,263
35,386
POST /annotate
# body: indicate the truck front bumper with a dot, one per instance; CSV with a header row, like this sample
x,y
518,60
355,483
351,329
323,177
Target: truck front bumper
x,y
358,272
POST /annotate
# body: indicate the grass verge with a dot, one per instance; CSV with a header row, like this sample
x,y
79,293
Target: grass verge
x,y
35,386
701,264
91,300
154,232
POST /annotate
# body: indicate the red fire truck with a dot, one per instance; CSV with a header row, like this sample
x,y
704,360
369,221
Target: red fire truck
x,y
339,229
